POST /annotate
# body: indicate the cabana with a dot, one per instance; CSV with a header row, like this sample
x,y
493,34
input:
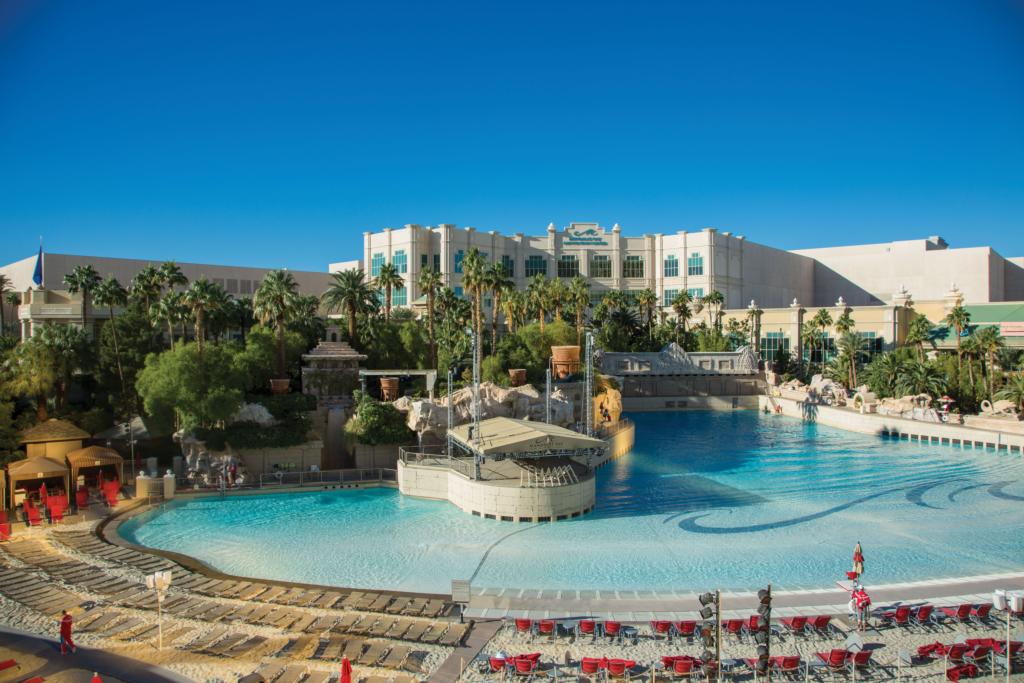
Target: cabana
x,y
52,439
93,458
38,469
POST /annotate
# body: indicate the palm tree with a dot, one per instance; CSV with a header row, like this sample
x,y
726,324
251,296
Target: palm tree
x,y
274,303
579,297
989,343
171,275
970,350
714,301
5,287
474,269
201,299
1013,390
429,282
613,300
350,292
146,286
958,319
557,296
823,319
919,331
82,280
850,349
922,378
537,291
845,323
884,373
31,371
513,305
69,350
681,307
809,338
169,311
110,293
498,282
241,312
753,318
388,280
646,302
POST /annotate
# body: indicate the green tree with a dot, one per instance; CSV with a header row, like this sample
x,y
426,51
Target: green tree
x,y
274,305
809,338
958,319
919,332
884,372
922,378
5,288
308,320
845,323
136,339
242,314
514,307
202,388
1013,390
647,302
260,356
557,295
82,280
681,307
989,343
713,301
70,352
146,286
537,291
429,283
579,297
171,276
202,299
110,293
823,320
349,292
8,435
498,282
851,349
388,280
30,370
170,311
474,281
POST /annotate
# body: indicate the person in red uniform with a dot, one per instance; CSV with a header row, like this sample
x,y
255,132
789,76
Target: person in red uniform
x,y
862,602
65,634
96,677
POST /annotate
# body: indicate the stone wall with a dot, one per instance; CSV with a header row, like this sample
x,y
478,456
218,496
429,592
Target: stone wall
x,y
374,457
646,404
682,386
302,457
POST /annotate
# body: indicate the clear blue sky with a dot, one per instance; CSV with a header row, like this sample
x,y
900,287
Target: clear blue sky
x,y
274,134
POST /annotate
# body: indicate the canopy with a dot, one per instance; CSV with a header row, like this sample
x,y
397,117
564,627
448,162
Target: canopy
x,y
53,430
38,467
505,436
95,456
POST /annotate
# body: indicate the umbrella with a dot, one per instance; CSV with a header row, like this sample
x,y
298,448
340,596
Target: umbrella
x,y
346,671
858,559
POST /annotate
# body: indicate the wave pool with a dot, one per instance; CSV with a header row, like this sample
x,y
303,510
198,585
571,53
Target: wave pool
x,y
705,499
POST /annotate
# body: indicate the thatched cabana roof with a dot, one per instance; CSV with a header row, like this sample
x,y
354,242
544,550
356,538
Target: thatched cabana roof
x,y
53,430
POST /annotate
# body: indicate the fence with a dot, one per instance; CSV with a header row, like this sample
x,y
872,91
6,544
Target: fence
x,y
306,478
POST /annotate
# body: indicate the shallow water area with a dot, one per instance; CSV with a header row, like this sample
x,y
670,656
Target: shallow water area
x,y
730,500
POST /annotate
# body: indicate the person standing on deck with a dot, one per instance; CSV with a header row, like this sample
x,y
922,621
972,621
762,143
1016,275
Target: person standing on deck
x,y
65,634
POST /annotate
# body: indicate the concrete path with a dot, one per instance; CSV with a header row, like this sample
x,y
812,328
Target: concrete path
x,y
107,664
451,669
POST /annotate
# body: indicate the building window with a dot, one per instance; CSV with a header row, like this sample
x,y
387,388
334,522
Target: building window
x,y
695,264
399,297
770,345
669,296
424,259
872,343
459,255
536,265
488,302
823,346
671,266
375,263
633,267
437,263
696,293
508,264
400,261
600,266
568,265
458,292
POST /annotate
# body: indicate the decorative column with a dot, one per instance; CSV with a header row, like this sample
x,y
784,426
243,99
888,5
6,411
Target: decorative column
x,y
796,321
902,312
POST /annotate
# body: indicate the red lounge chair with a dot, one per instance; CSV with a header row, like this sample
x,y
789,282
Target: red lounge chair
x,y
497,664
861,661
979,615
820,625
898,617
788,665
524,626
1016,646
82,497
954,653
34,679
795,625
613,629
590,665
546,627
960,614
32,514
835,659
661,629
5,526
924,616
684,667
8,664
978,656
685,629
56,513
617,667
525,666
734,627
586,627
964,671
753,623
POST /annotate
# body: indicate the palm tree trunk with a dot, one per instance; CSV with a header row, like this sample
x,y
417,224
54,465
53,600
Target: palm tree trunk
x,y
387,303
170,334
352,323
579,325
280,348
200,333
430,329
494,321
85,308
959,356
477,298
41,408
540,318
117,351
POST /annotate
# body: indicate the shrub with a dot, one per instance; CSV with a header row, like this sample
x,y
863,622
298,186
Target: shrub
x,y
377,423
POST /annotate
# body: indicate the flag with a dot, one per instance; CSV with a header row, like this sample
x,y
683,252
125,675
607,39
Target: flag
x,y
37,276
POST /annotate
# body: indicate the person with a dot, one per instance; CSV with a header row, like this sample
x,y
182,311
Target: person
x,y
862,603
96,677
65,634
858,559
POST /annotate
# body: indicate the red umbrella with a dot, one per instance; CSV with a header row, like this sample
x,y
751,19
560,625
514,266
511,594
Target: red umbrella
x,y
346,671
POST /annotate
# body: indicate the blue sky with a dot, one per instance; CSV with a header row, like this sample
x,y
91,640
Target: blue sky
x,y
274,134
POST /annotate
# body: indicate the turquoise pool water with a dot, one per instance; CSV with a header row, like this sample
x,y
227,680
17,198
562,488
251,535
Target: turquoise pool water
x,y
727,500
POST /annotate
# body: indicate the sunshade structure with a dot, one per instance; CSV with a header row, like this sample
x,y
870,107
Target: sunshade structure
x,y
503,437
39,469
95,456
1008,319
52,439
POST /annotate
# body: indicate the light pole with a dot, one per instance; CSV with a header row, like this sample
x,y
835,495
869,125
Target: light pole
x,y
547,397
588,387
131,445
159,582
448,434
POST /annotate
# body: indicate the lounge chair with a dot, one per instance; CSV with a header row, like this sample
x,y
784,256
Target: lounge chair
x,y
546,627
373,654
684,667
382,626
898,617
416,631
524,626
734,627
586,627
292,674
525,666
32,515
820,625
955,673
434,632
860,661
5,526
960,614
795,625
924,615
318,677
834,660
619,668
454,635
661,629
590,666
395,657
789,665
980,656
980,614
612,629
685,629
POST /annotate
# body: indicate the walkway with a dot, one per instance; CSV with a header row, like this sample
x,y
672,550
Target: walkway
x,y
107,664
452,668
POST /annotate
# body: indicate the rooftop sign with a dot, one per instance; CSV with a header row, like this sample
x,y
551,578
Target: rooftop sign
x,y
585,234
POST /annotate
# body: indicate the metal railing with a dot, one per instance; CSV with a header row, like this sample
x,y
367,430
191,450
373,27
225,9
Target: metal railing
x,y
548,477
282,479
610,429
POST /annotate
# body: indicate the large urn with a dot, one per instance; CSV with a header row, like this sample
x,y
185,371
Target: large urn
x,y
565,361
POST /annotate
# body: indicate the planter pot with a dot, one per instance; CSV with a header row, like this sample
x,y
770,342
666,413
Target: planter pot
x,y
280,386
388,388
518,376
565,361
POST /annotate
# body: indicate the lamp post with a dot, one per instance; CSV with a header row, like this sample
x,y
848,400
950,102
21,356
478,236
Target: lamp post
x,y
159,582
547,397
448,434
588,387
131,445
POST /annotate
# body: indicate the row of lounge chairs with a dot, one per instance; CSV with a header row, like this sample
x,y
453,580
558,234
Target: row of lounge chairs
x,y
297,673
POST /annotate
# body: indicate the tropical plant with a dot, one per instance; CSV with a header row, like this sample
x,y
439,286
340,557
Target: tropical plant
x,y
646,303
681,307
884,371
201,299
349,292
989,344
136,339
107,294
958,319
31,371
845,322
809,335
1008,359
82,280
537,292
241,313
713,301
388,280
170,311
498,282
557,297
613,300
1013,390
429,282
851,349
918,332
274,304
579,297
146,286
171,276
474,281
514,307
70,352
970,350
5,288
922,378
823,320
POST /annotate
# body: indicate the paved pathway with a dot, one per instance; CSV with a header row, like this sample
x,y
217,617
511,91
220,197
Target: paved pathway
x,y
107,664
451,669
